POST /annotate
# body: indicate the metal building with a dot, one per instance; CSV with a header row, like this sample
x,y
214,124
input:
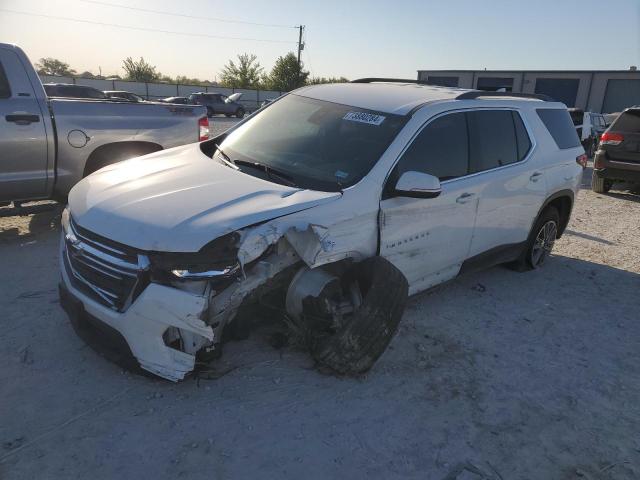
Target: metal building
x,y
603,91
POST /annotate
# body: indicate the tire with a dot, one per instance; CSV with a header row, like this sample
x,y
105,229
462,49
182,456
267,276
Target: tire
x,y
592,149
240,113
529,259
600,185
355,347
228,115
210,112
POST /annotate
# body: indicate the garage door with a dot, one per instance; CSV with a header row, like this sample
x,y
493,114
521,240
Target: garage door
x,y
563,90
491,84
442,81
621,94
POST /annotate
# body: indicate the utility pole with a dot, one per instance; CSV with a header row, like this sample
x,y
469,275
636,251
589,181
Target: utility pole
x,y
300,48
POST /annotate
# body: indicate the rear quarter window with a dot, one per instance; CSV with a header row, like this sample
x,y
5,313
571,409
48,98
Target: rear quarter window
x,y
560,126
628,121
5,91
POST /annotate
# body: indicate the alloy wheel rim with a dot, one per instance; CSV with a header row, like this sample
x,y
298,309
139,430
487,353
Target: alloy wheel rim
x,y
543,244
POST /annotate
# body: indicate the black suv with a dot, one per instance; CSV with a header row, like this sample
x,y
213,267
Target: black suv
x,y
618,155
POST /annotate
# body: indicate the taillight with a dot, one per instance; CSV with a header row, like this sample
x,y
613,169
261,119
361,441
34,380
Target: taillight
x,y
582,160
203,129
608,138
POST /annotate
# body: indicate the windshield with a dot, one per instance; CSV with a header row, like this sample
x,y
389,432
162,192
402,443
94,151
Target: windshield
x,y
316,144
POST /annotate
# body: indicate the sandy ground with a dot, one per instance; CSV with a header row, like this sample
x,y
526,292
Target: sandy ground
x,y
497,375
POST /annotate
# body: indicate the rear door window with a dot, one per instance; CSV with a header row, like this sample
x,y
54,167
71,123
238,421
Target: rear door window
x,y
559,124
492,139
628,121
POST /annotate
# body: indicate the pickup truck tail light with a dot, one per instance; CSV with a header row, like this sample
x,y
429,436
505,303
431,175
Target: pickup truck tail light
x,y
582,160
611,139
203,128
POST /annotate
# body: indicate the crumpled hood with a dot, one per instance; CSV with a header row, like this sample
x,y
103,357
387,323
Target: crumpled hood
x,y
178,200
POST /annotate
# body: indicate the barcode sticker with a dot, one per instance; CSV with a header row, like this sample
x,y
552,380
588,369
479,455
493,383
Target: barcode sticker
x,y
363,117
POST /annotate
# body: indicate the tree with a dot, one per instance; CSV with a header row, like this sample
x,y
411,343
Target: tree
x,y
319,80
53,66
245,74
286,75
140,71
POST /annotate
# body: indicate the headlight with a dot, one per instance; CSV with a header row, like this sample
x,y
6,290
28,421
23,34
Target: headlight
x,y
205,271
216,260
64,220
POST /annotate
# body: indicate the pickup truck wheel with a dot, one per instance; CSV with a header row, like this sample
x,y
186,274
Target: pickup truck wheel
x,y
210,112
352,321
600,185
228,115
240,113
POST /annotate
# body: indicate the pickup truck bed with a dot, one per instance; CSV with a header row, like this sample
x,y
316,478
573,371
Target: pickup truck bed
x,y
49,144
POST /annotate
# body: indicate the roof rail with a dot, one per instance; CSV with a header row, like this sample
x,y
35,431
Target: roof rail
x,y
474,94
388,80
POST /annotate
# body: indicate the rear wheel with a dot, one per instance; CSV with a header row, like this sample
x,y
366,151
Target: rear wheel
x,y
600,185
210,112
540,242
240,113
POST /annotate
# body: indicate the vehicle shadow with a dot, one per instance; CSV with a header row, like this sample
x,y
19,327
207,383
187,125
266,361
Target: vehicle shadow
x,y
28,221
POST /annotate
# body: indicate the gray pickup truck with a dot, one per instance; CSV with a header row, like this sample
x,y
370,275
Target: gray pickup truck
x,y
49,144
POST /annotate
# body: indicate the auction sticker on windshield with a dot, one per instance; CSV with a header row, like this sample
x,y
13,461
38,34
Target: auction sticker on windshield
x,y
363,117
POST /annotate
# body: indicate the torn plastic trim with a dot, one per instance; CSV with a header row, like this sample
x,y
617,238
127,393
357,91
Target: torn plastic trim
x,y
156,309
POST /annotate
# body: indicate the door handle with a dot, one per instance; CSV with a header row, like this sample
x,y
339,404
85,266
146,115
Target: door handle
x,y
22,118
465,197
535,177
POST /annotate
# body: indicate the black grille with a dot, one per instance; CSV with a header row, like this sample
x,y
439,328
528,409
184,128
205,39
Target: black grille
x,y
110,273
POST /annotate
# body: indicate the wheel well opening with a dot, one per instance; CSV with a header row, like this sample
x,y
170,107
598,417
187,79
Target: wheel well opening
x,y
116,152
563,205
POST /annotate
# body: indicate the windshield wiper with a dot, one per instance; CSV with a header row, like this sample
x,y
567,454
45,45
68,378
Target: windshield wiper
x,y
226,159
270,171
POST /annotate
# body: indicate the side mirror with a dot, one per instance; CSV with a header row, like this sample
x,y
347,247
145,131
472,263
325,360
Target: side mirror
x,y
418,185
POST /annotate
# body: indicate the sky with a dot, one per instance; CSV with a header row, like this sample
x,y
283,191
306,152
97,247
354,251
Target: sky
x,y
351,38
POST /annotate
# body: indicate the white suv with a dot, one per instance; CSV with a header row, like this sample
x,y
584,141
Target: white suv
x,y
333,204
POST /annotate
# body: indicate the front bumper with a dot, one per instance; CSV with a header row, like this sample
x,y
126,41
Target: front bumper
x,y
138,331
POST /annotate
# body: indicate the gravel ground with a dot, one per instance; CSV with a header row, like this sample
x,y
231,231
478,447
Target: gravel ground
x,y
496,375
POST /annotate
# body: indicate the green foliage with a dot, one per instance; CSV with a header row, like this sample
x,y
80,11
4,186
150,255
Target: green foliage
x,y
53,66
246,73
182,80
319,80
140,71
286,75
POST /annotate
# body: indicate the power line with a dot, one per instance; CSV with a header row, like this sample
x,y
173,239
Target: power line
x,y
196,17
143,29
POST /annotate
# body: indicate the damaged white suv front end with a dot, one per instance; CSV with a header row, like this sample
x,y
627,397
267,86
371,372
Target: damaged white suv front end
x,y
161,251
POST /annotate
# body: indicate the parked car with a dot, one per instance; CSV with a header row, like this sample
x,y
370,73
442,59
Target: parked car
x,y
334,204
48,144
618,155
266,102
70,90
217,103
176,100
123,95
590,126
